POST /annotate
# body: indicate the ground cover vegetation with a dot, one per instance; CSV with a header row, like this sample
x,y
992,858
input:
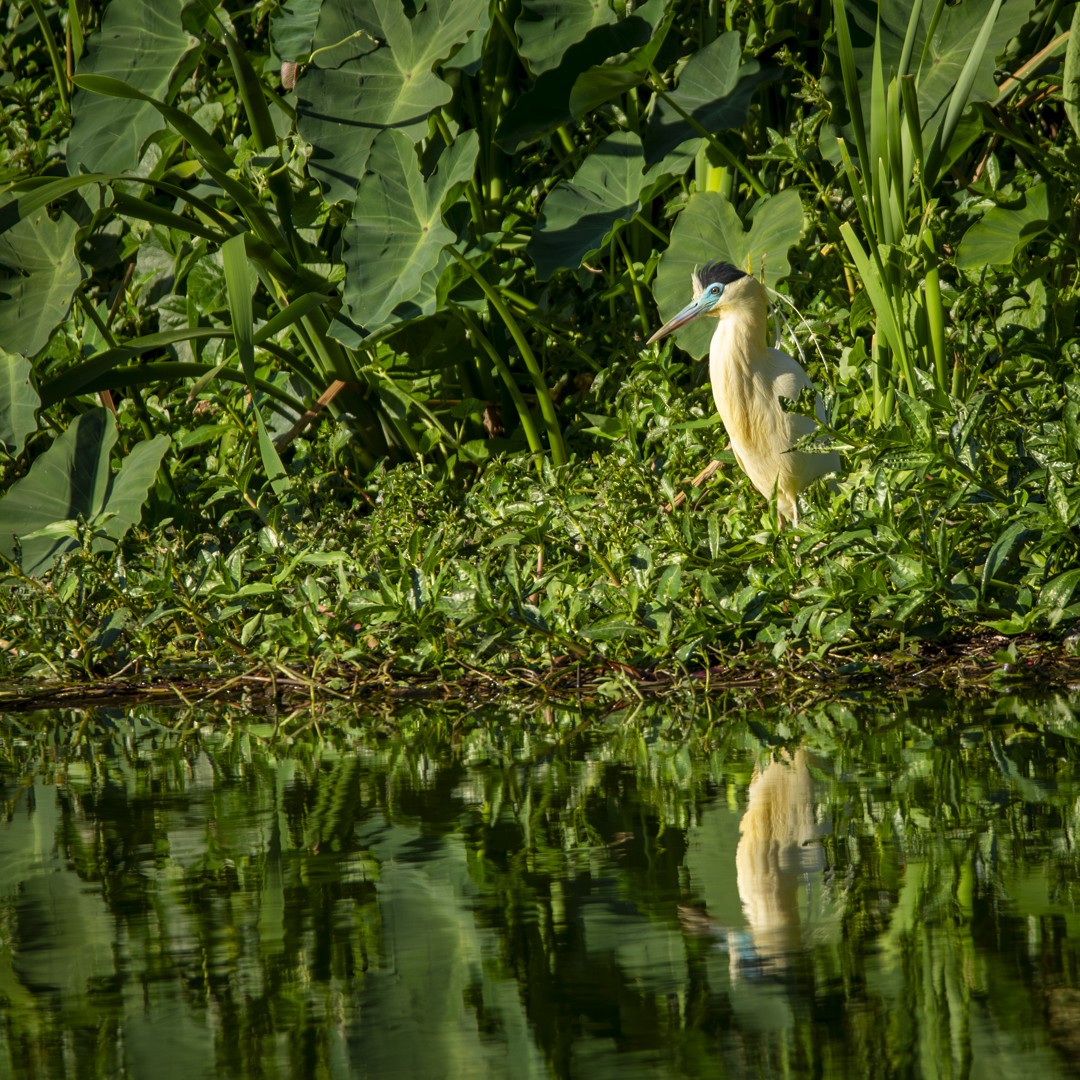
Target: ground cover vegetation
x,y
322,333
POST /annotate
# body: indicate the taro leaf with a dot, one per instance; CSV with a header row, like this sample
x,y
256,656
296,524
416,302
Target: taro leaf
x,y
714,91
547,28
709,228
292,28
618,74
18,401
73,479
942,61
1070,89
580,215
38,277
1003,232
395,238
342,108
546,105
142,43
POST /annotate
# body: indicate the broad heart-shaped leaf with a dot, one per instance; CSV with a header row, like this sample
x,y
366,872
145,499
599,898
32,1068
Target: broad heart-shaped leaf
x,y
579,215
546,105
942,61
396,235
38,277
617,75
142,43
1002,232
72,479
547,28
342,108
292,28
18,401
709,228
714,91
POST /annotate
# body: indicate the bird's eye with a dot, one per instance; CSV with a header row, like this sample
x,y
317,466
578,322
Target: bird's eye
x,y
716,288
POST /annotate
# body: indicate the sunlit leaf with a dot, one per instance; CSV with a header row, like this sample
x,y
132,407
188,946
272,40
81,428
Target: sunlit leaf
x,y
74,479
709,228
18,401
144,44
547,28
1004,231
619,74
388,83
292,28
39,274
396,234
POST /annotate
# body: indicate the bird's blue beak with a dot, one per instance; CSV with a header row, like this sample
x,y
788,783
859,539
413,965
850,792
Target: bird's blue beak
x,y
704,303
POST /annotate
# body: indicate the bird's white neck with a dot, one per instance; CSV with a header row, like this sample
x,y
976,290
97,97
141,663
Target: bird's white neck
x,y
740,335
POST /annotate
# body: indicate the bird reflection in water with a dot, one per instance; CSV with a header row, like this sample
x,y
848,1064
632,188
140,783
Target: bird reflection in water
x,y
778,851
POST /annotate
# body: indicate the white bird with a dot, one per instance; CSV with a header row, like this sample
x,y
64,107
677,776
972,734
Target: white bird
x,y
748,380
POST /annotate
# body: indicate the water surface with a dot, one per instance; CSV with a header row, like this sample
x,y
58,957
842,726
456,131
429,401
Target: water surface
x,y
866,887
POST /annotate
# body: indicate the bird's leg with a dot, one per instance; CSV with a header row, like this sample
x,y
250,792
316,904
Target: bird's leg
x,y
696,482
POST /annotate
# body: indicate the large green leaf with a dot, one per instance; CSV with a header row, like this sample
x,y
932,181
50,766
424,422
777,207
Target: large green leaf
x,y
547,104
619,74
1001,233
292,28
395,238
713,94
709,228
144,44
73,479
547,28
18,401
38,277
344,103
580,215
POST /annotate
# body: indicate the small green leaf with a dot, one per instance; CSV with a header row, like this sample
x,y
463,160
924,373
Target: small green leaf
x,y
1006,544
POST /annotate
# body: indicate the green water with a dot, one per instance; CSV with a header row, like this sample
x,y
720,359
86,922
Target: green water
x,y
875,887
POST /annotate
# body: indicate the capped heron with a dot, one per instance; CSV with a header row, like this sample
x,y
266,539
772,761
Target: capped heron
x,y
748,380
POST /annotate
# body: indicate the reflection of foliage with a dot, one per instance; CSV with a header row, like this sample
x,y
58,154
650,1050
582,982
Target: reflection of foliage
x,y
455,892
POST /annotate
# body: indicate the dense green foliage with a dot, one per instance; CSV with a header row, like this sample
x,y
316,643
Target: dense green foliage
x,y
443,247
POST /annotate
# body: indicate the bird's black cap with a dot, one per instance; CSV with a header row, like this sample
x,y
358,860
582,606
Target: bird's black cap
x,y
719,273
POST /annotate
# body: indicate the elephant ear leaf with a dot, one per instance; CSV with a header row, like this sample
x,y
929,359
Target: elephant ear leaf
x,y
38,277
74,479
710,228
18,402
142,43
396,236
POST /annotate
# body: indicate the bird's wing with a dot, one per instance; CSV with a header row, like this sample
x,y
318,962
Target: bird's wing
x,y
785,375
